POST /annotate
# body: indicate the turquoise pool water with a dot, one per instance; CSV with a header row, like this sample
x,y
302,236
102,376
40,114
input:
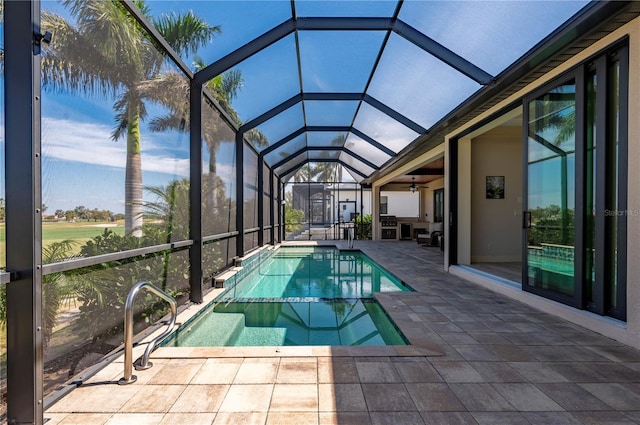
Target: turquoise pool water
x,y
299,296
315,272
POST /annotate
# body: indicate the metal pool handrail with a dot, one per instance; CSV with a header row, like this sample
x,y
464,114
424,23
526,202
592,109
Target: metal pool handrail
x,y
350,233
144,362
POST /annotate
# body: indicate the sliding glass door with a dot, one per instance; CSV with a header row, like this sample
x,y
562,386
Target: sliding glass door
x,y
551,154
576,187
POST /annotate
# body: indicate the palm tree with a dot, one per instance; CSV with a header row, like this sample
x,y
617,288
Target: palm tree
x,y
107,52
224,88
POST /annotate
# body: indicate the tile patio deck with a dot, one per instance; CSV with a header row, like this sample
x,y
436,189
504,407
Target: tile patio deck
x,y
481,358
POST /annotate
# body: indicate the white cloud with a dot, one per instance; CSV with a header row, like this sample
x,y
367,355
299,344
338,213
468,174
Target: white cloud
x,y
91,143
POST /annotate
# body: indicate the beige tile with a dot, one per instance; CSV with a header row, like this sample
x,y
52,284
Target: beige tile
x,y
95,399
252,372
255,418
338,372
311,359
188,419
171,352
341,397
110,373
54,418
294,398
289,418
200,398
135,418
83,419
216,373
247,398
293,372
153,399
238,360
174,373
342,418
260,359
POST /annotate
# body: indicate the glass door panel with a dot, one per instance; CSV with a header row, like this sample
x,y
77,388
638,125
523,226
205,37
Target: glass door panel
x,y
317,211
551,192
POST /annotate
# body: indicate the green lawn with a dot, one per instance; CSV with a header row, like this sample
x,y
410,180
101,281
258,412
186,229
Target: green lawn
x,y
63,230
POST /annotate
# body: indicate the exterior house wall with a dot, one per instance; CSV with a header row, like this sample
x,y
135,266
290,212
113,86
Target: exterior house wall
x,y
496,224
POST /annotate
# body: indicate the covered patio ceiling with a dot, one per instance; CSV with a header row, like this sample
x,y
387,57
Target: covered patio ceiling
x,y
356,82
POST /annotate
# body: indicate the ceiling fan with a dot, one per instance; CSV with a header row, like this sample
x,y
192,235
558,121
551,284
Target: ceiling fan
x,y
413,187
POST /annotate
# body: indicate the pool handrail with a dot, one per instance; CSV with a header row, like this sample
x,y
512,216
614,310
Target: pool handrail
x,y
143,362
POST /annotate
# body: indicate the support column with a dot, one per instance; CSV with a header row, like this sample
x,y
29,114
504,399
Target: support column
x,y
240,193
260,200
25,362
375,212
281,210
464,201
272,213
195,191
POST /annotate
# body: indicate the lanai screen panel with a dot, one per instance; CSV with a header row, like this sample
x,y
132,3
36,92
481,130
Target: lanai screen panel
x,y
365,149
282,124
383,129
326,138
283,152
268,78
330,112
338,61
426,88
490,34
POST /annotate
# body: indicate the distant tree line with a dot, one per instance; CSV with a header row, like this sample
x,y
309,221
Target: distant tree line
x,y
78,213
84,214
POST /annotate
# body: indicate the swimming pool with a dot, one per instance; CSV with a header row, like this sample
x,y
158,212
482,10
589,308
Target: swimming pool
x,y
299,296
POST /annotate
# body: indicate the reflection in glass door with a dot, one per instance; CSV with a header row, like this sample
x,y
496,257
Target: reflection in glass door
x,y
576,189
551,152
317,211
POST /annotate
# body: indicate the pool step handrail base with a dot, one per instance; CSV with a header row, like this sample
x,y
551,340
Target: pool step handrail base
x,y
143,362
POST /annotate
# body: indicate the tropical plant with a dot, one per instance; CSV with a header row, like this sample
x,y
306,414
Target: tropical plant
x,y
103,289
293,219
172,90
55,289
363,226
108,52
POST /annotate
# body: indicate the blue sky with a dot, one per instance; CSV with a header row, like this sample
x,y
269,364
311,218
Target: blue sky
x,y
83,166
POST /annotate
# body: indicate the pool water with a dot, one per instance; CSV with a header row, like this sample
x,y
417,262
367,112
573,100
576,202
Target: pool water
x,y
299,296
315,272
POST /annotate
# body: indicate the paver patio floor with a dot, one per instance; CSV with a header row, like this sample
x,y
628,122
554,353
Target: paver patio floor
x,y
488,360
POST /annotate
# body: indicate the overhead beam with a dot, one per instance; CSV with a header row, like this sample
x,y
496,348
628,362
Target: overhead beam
x,y
325,148
427,172
329,97
251,48
344,164
283,141
394,114
375,143
302,130
271,113
344,24
439,51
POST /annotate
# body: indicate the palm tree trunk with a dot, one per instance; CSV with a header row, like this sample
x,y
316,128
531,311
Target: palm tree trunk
x,y
133,175
212,180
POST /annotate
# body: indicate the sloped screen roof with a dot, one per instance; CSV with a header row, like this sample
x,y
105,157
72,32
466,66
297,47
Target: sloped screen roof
x,y
355,82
